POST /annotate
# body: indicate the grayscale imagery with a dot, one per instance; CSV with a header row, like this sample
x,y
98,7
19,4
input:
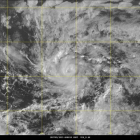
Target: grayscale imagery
x,y
70,67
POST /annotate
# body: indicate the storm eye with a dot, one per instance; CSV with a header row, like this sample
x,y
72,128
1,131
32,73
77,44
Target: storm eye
x,y
68,69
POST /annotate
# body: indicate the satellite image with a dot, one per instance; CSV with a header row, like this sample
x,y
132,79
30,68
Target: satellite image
x,y
70,67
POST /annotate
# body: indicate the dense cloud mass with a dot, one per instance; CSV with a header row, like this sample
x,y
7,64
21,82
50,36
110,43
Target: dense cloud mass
x,y
59,56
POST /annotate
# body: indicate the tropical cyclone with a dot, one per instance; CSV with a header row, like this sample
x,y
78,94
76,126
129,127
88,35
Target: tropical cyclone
x,y
63,72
